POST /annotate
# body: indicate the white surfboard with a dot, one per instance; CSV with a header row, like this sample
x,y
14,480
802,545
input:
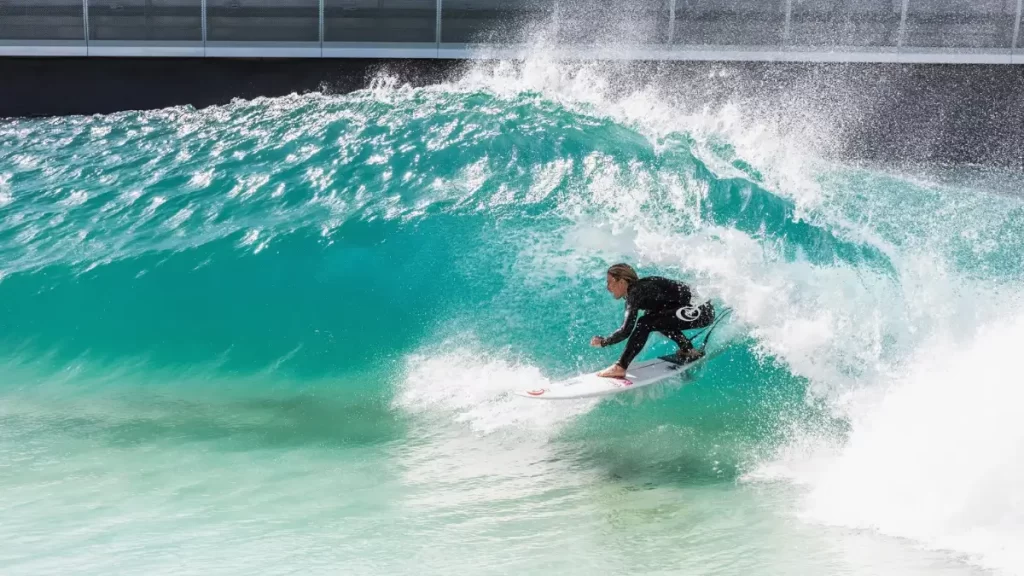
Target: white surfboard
x,y
639,375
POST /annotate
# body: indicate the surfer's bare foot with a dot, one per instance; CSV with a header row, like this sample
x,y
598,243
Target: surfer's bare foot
x,y
613,371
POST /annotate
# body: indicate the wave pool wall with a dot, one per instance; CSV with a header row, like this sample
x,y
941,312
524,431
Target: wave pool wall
x,y
921,31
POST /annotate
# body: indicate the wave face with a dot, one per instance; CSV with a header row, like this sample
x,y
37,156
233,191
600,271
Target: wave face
x,y
281,335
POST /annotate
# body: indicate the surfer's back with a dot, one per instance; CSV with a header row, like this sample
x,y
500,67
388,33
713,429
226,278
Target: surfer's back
x,y
658,292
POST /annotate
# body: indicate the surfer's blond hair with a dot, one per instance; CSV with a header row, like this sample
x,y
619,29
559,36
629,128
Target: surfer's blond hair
x,y
623,272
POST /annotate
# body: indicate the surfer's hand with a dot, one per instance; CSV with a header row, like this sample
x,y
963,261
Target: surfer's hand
x,y
596,341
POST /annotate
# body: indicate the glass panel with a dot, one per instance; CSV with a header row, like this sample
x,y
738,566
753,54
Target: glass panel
x,y
633,22
495,21
41,20
960,23
263,20
845,22
380,21
730,22
146,20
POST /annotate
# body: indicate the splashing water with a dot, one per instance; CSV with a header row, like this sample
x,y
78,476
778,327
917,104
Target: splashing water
x,y
281,335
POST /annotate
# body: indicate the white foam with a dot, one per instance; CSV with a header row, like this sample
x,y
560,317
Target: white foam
x,y
935,455
251,236
202,178
180,217
466,385
75,198
5,189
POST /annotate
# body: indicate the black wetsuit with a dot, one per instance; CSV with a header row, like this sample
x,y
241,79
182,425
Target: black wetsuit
x,y
668,310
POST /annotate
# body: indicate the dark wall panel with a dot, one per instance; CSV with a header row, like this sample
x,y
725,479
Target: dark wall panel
x,y
41,20
497,21
263,20
873,23
730,22
146,20
960,23
613,21
380,20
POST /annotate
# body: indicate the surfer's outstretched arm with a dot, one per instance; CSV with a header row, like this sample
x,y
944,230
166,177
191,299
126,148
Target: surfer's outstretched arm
x,y
628,322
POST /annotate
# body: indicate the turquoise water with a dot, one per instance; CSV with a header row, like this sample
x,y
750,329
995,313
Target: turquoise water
x,y
280,336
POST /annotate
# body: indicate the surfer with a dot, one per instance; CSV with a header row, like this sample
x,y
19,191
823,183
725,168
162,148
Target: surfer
x,y
667,309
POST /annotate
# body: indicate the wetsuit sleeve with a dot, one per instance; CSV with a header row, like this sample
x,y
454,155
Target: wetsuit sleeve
x,y
626,329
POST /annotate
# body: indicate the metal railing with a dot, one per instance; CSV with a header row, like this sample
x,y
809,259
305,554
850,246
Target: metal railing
x,y
981,31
